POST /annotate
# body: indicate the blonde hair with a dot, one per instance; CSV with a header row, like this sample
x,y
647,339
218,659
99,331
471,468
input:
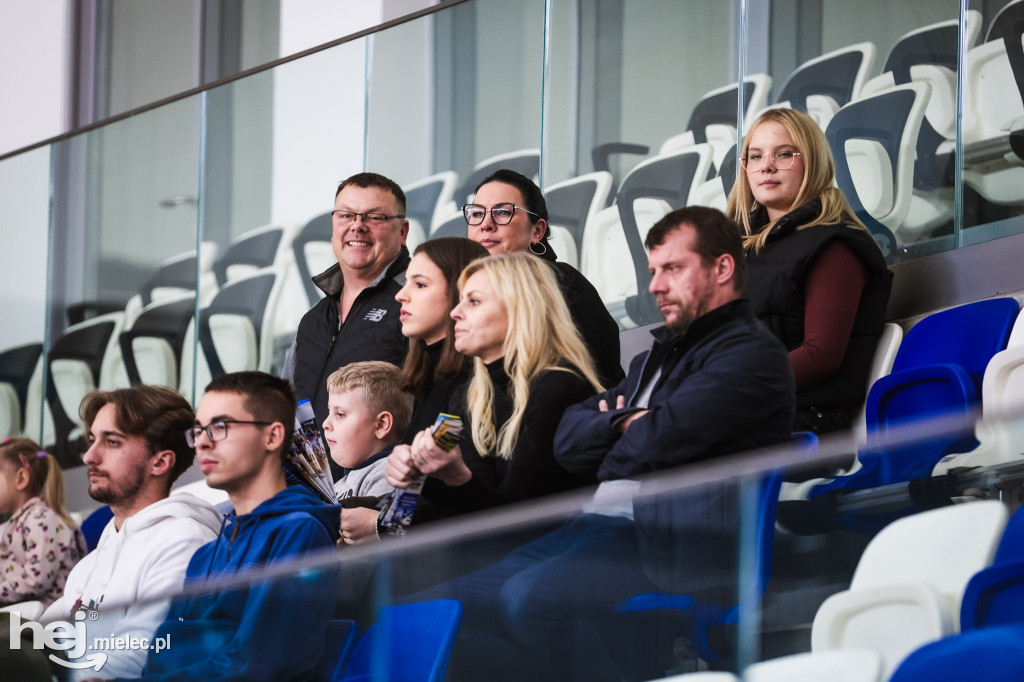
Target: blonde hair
x,y
45,475
819,175
381,388
541,337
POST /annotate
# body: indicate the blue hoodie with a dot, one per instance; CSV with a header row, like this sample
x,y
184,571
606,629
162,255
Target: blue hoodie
x,y
265,630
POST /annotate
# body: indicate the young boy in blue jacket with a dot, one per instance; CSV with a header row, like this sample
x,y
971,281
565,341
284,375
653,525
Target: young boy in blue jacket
x,y
266,630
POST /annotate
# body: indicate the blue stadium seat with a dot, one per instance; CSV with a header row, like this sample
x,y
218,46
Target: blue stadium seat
x,y
341,637
708,616
938,371
991,622
408,643
92,527
990,655
995,595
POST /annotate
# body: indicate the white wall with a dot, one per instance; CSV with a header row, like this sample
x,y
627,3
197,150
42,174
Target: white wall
x,y
36,34
319,105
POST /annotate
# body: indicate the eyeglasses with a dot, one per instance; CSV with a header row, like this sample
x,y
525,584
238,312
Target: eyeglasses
x,y
501,214
781,160
370,219
215,431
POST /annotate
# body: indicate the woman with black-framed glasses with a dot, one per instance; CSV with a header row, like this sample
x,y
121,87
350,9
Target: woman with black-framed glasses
x,y
815,275
509,215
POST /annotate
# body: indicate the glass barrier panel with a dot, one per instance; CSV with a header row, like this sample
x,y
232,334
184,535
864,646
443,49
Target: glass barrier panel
x,y
881,82
125,204
638,121
448,106
25,225
635,585
277,145
993,113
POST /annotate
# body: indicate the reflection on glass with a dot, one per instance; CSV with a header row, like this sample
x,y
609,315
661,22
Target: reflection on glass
x,y
126,207
25,217
993,113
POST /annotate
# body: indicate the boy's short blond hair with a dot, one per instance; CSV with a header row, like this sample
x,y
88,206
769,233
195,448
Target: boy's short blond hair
x,y
382,390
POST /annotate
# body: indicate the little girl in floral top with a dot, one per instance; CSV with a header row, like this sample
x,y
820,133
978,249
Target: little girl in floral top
x,y
40,543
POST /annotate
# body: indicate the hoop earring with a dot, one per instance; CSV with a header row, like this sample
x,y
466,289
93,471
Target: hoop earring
x,y
543,249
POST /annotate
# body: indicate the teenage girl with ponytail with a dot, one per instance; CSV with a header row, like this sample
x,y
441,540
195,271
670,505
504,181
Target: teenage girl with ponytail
x,y
40,543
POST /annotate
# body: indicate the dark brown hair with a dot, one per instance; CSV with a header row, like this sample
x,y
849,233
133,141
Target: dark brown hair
x,y
451,255
716,235
158,414
377,180
268,398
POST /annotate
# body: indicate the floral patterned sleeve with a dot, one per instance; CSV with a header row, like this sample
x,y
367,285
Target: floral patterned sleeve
x,y
38,549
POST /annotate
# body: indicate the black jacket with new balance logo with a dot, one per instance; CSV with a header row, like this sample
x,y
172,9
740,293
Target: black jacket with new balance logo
x,y
372,331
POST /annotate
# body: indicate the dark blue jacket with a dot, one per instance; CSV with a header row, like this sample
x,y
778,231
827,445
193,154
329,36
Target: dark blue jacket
x,y
730,388
727,387
269,630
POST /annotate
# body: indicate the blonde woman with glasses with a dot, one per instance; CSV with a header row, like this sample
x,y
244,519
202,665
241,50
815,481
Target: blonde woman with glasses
x,y
816,276
529,365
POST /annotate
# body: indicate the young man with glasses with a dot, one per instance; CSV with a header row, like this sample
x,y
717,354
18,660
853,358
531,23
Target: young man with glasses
x,y
137,449
358,319
267,629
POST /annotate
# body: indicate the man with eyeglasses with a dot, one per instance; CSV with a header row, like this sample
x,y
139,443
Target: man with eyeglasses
x,y
358,319
137,449
265,630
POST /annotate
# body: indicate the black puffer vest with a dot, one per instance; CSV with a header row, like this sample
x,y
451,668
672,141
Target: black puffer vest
x,y
776,290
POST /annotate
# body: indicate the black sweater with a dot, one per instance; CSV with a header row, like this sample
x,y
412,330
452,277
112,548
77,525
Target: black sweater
x,y
531,471
437,398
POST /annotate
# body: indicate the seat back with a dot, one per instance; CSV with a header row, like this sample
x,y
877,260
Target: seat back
x,y
92,527
313,253
1008,26
452,226
524,161
672,179
908,397
253,250
908,584
152,348
236,329
995,595
341,636
16,367
82,359
941,547
967,335
408,643
427,200
881,365
713,119
572,204
839,75
873,141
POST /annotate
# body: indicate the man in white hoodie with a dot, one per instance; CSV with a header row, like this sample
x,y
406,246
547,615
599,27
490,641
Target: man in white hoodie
x,y
137,450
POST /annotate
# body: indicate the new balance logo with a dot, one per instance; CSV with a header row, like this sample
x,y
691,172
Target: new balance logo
x,y
376,315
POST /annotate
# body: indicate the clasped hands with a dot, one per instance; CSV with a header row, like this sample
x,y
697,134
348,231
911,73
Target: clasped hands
x,y
407,463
